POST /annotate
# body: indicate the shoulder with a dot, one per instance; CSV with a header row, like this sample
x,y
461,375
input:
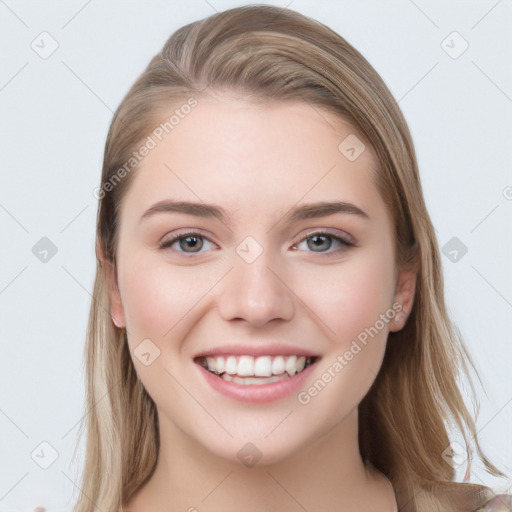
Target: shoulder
x,y
499,503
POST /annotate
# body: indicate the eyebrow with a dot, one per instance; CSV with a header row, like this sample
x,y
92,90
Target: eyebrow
x,y
295,214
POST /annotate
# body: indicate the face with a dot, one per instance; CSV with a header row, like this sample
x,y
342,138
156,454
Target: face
x,y
226,259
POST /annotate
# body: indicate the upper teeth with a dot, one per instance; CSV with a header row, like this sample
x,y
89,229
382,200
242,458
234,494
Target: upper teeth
x,y
262,366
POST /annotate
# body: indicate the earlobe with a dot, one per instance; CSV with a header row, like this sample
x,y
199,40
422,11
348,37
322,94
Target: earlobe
x,y
116,304
404,295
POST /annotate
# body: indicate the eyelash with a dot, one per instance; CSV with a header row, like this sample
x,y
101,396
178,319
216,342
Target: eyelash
x,y
345,243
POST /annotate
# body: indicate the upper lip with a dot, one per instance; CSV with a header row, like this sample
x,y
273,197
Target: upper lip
x,y
274,349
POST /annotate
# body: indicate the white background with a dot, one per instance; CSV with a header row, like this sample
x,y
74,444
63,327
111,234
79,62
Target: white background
x,y
54,119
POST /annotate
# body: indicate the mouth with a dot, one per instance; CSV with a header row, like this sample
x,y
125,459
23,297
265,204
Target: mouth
x,y
247,370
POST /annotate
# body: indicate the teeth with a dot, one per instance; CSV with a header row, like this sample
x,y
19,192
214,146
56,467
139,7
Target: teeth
x,y
262,366
245,366
291,365
278,365
231,366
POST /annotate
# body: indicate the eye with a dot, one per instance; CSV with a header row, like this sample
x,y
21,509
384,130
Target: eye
x,y
189,242
323,241
319,241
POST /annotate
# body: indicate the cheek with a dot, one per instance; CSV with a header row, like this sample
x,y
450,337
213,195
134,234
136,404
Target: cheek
x,y
158,296
352,305
353,297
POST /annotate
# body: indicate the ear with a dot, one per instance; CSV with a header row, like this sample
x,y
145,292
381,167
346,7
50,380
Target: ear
x,y
114,296
404,295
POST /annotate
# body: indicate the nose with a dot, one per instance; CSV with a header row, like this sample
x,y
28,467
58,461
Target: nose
x,y
256,292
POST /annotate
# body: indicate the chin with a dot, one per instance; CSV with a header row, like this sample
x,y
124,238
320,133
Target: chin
x,y
259,450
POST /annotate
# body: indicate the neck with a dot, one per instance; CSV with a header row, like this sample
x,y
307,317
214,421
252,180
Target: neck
x,y
327,474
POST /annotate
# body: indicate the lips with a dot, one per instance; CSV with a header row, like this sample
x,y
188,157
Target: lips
x,y
255,389
255,350
255,368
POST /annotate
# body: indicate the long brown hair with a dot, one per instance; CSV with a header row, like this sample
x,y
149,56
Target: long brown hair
x,y
268,54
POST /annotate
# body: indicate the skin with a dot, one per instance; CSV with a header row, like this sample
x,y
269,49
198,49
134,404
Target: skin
x,y
257,163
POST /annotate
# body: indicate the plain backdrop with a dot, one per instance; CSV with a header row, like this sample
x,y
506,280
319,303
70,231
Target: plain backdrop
x,y
448,65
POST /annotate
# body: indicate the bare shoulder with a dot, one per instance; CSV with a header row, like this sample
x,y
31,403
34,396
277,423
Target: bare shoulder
x,y
499,503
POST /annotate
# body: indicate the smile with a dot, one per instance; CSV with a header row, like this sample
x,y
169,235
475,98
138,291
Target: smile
x,y
249,370
255,378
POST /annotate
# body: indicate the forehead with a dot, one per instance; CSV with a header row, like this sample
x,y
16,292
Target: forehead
x,y
255,159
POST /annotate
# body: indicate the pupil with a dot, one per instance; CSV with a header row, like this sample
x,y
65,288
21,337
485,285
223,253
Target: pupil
x,y
318,242
193,240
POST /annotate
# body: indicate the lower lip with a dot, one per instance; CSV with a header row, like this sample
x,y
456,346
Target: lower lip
x,y
256,392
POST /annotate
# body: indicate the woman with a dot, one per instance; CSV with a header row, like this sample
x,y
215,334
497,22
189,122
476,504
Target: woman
x,y
268,329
